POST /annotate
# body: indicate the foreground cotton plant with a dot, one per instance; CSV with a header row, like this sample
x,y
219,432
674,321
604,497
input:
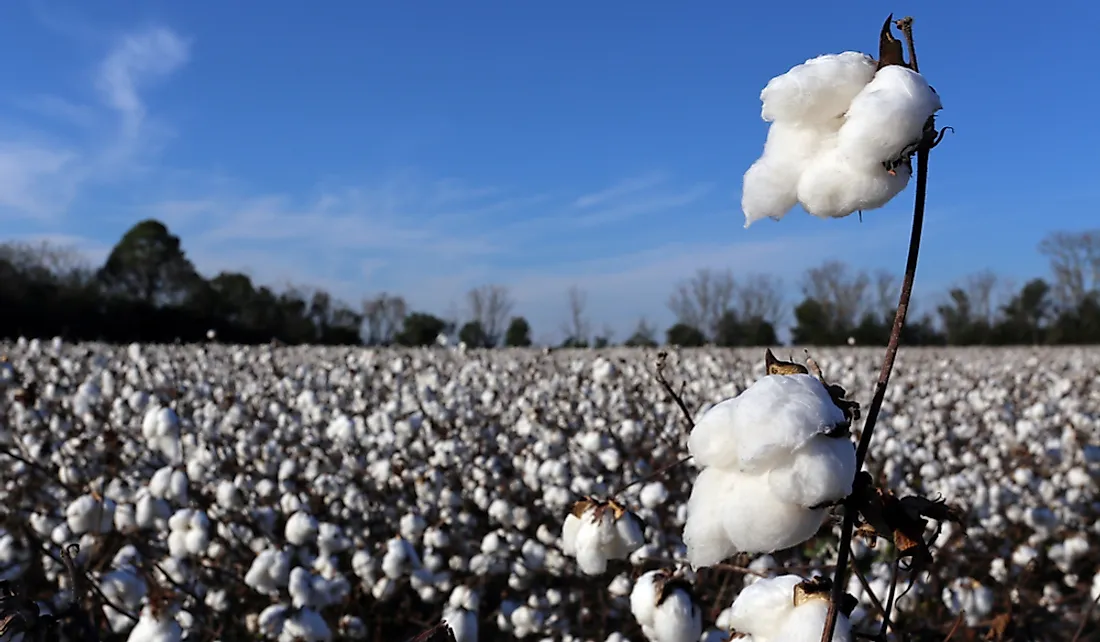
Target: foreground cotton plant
x,y
774,459
595,532
788,609
665,608
843,130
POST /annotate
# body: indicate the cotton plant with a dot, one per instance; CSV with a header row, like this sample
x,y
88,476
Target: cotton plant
x,y
597,531
774,459
842,130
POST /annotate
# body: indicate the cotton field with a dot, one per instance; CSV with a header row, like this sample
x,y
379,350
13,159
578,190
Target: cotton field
x,y
221,492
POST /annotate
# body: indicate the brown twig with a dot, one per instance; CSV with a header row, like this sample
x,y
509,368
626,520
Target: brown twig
x,y
955,627
848,526
689,421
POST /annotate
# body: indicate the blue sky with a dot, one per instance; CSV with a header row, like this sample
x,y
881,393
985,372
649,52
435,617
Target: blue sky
x,y
432,146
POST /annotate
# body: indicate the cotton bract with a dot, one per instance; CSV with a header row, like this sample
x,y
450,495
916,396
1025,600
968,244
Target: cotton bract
x,y
771,459
840,137
596,532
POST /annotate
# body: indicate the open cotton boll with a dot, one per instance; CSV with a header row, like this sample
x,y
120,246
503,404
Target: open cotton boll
x,y
770,186
463,623
821,470
817,90
596,532
643,598
761,608
306,625
160,627
760,427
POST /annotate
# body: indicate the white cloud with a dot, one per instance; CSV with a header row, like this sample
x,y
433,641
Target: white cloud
x,y
622,188
138,59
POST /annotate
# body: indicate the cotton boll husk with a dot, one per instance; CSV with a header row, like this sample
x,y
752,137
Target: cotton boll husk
x,y
888,115
761,608
758,428
836,183
817,90
822,470
704,531
677,619
770,186
807,622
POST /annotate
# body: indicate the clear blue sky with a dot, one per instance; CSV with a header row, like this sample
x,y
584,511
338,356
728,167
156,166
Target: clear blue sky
x,y
425,147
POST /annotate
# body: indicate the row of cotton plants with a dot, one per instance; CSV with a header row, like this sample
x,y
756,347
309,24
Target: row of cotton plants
x,y
315,494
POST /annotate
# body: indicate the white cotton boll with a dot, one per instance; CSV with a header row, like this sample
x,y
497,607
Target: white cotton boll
x,y
271,620
86,514
306,625
807,622
155,628
677,618
770,186
301,529
463,623
817,90
631,535
887,117
822,470
759,427
653,494
761,609
836,184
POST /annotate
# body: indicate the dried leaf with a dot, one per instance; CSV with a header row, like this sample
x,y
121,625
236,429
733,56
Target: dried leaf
x,y
774,366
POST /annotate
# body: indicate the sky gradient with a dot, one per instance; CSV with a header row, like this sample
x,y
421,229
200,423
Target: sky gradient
x,y
424,148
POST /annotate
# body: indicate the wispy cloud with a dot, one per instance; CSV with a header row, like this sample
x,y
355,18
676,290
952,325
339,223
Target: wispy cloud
x,y
40,176
622,188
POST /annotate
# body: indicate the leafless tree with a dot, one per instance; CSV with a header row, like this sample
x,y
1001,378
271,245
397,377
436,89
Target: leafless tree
x,y
490,306
842,293
981,290
383,316
60,261
576,328
1074,263
760,296
887,290
702,300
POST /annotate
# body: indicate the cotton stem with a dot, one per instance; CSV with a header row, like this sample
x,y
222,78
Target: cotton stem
x,y
848,527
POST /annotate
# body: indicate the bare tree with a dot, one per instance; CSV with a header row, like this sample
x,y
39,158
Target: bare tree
x,y
63,262
887,290
760,296
576,328
842,293
1074,263
490,305
383,316
982,295
702,300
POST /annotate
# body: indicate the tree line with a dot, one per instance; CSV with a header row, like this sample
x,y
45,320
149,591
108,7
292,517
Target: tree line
x,y
147,290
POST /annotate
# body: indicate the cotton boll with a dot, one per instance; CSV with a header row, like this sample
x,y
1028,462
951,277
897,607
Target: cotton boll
x,y
817,90
152,627
758,428
301,529
653,495
643,597
761,609
306,625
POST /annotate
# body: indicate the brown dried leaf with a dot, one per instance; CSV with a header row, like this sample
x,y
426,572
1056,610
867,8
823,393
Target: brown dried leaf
x,y
998,628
